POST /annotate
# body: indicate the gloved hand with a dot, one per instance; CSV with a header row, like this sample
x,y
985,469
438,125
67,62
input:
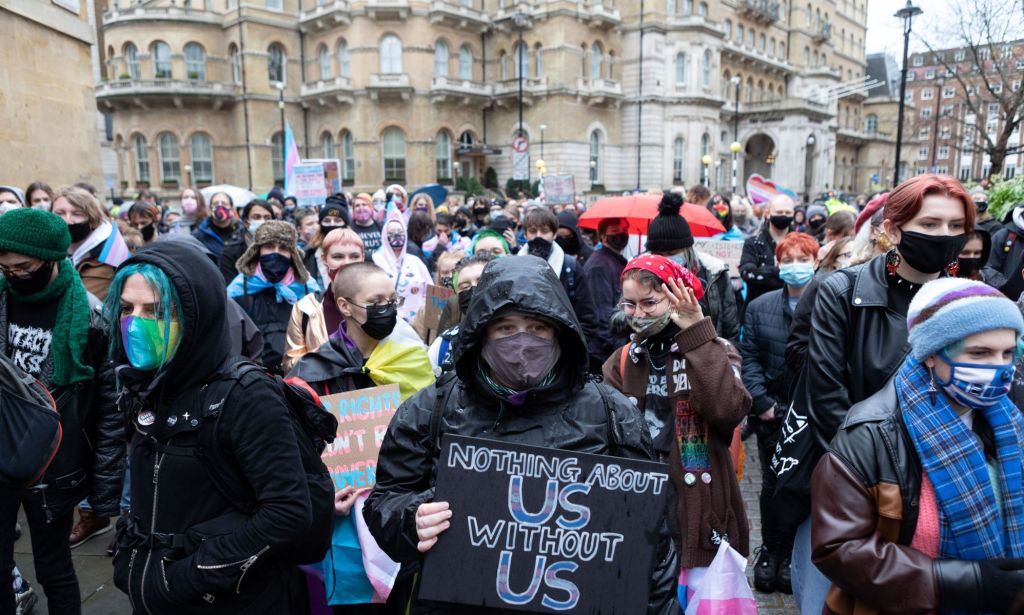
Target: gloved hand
x,y
987,585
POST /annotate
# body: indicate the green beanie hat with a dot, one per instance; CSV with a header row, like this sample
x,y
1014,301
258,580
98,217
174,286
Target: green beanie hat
x,y
35,233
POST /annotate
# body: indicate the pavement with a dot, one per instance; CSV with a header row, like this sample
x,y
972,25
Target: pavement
x,y
100,597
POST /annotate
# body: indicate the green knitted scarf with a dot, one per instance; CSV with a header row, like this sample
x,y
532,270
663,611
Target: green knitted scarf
x,y
70,335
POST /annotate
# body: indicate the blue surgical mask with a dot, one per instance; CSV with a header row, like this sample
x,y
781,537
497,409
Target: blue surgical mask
x,y
679,258
976,385
796,274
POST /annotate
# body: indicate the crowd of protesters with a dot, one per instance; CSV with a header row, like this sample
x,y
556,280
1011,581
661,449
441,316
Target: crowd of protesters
x,y
870,347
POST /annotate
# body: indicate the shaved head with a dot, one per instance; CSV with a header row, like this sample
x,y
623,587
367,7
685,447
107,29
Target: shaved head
x,y
781,205
349,279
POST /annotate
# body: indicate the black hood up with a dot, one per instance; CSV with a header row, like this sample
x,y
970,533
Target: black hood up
x,y
568,219
526,284
205,344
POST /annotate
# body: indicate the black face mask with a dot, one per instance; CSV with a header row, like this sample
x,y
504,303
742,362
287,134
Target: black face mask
x,y
981,206
465,297
79,231
570,244
816,223
325,228
148,231
968,266
781,222
380,324
275,266
540,247
33,282
617,242
930,253
480,212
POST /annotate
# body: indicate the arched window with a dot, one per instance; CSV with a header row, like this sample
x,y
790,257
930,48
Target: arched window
x,y
705,145
390,55
782,50
503,65
760,90
771,48
202,158
680,69
393,150
706,69
443,156
170,163
325,62
348,158
750,38
328,145
275,63
195,62
871,123
726,84
522,61
807,56
761,42
611,64
344,66
274,4
687,7
538,62
677,160
739,34
702,9
141,158
161,52
595,61
131,60
236,64
441,59
750,89
595,156
277,158
670,7
465,63
727,28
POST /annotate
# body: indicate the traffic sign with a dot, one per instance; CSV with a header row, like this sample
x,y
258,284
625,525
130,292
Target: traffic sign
x,y
520,143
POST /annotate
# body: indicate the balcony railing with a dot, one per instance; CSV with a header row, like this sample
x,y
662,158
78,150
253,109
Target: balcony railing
x,y
599,90
451,13
761,11
328,91
446,86
822,33
599,15
749,54
387,9
325,16
389,84
141,13
531,87
177,91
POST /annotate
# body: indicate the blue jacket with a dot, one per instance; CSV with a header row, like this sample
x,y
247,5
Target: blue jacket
x,y
597,295
733,234
209,238
763,347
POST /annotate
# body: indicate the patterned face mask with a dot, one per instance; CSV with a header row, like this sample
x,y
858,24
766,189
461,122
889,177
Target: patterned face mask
x,y
144,343
976,385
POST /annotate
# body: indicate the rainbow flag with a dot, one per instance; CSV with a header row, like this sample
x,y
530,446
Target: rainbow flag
x,y
291,159
115,251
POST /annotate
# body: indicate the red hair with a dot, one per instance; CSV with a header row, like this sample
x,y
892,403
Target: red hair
x,y
801,242
905,201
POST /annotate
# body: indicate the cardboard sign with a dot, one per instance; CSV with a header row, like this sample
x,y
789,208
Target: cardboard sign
x,y
332,173
544,530
433,306
309,189
728,251
559,189
363,418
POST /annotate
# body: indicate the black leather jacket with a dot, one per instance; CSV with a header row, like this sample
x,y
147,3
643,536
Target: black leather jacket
x,y
857,343
90,460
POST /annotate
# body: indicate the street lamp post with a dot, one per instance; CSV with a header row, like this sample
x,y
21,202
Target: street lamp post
x,y
543,127
284,141
593,173
188,175
808,167
906,14
520,22
706,161
735,146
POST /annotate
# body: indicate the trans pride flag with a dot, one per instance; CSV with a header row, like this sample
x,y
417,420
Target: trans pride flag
x,y
291,158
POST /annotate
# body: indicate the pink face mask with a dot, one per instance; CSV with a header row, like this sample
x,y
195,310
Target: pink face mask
x,y
362,213
189,205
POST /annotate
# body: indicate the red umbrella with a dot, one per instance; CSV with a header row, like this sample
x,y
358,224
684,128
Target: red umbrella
x,y
639,209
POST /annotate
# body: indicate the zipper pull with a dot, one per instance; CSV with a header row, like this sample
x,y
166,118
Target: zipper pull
x,y
156,467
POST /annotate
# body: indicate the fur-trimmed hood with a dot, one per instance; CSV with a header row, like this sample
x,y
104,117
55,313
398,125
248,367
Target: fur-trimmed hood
x,y
273,231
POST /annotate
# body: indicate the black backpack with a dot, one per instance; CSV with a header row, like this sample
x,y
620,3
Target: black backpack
x,y
30,430
314,428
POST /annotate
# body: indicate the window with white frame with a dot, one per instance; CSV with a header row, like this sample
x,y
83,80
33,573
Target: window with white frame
x,y
927,94
943,152
926,112
595,156
948,92
443,156
195,62
348,158
918,60
522,61
909,96
202,158
393,151
993,109
236,64
391,56
595,61
942,169
325,62
131,59
441,59
1010,171
277,158
922,153
924,132
911,75
141,150
538,63
465,63
677,160
945,132
947,110
871,124
959,55
1016,85
997,87
680,69
344,64
706,69
328,145
275,63
929,73
170,162
161,53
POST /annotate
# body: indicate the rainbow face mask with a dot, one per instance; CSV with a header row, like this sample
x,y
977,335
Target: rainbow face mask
x,y
143,341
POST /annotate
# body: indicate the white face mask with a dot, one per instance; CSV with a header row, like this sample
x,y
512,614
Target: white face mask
x,y
42,205
6,207
255,224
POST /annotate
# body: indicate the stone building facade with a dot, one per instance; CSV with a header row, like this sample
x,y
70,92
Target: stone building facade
x,y
422,91
47,106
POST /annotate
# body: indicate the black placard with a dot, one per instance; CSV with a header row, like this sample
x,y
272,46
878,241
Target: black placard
x,y
544,530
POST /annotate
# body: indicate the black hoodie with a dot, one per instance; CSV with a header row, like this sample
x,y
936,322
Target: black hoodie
x,y
223,561
569,414
567,219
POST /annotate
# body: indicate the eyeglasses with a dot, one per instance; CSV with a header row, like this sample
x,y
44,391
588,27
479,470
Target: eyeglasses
x,y
378,308
646,306
21,270
496,252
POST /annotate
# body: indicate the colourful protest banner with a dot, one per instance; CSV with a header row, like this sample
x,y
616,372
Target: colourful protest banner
x,y
363,418
308,186
436,298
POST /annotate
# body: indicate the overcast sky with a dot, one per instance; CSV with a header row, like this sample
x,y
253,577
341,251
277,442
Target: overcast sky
x,y
885,32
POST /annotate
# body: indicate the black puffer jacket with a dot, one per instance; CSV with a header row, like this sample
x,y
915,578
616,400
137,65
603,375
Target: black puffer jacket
x,y
719,300
569,415
185,548
765,331
857,343
233,249
271,318
757,264
90,460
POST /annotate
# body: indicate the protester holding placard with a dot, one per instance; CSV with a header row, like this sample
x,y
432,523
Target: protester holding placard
x,y
314,319
686,381
520,377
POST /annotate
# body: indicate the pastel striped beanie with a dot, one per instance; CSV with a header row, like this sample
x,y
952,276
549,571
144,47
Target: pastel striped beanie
x,y
947,310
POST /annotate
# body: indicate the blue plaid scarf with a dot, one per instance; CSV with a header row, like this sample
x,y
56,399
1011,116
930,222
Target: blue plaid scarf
x,y
970,526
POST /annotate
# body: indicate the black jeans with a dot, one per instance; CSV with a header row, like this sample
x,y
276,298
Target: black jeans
x,y
51,554
772,534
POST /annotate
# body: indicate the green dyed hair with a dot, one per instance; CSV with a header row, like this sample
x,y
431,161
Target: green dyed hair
x,y
168,304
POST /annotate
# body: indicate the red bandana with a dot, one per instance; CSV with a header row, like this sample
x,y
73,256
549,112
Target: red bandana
x,y
666,269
